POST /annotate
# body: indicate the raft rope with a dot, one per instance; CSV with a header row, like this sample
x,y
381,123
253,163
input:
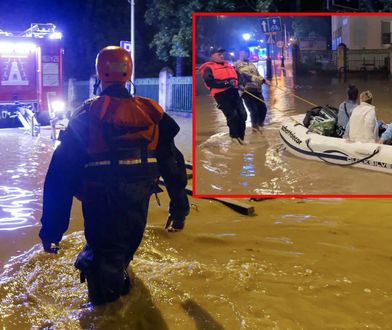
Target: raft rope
x,y
298,97
375,152
257,98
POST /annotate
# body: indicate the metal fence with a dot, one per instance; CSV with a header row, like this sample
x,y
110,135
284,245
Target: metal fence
x,y
147,87
181,89
368,60
181,92
319,59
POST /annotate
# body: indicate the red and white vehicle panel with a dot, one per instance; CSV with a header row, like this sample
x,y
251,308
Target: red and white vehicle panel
x,y
31,71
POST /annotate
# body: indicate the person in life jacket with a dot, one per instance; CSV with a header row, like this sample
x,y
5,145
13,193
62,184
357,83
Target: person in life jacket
x,y
221,79
252,81
110,157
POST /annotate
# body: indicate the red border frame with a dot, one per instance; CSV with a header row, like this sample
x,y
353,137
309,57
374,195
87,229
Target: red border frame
x,y
196,14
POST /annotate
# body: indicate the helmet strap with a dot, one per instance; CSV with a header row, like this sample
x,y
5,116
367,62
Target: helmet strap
x,y
129,87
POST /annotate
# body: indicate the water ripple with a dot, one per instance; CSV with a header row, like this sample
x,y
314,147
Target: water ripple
x,y
15,212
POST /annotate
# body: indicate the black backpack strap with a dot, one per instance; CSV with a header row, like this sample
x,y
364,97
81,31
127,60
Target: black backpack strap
x,y
345,110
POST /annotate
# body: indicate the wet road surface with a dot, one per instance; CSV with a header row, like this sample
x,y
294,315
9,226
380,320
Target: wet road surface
x,y
296,264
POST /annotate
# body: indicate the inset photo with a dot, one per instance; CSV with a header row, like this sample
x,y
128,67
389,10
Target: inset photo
x,y
292,105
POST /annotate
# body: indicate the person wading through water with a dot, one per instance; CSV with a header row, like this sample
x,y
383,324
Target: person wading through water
x,y
110,157
221,79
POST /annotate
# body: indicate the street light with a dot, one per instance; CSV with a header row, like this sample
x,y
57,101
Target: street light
x,y
246,36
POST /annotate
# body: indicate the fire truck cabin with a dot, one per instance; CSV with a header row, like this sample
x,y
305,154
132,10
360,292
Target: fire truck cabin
x,y
31,74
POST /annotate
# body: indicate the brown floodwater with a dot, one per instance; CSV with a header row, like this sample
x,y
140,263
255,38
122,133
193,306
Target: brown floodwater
x,y
264,166
296,264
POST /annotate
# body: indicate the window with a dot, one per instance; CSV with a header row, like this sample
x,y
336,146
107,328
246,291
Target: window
x,y
386,32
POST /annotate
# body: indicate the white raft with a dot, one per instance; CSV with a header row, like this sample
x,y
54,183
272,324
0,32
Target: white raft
x,y
303,143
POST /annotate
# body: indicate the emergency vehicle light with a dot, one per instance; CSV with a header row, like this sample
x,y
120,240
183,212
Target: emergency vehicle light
x,y
56,35
58,106
16,48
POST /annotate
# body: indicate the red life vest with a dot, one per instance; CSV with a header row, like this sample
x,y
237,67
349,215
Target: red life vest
x,y
123,136
220,71
129,119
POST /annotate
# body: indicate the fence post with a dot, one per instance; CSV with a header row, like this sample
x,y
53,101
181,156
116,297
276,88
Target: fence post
x,y
296,58
71,93
165,91
341,58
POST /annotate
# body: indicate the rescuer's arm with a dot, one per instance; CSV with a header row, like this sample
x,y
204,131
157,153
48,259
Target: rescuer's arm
x,y
216,83
61,179
172,168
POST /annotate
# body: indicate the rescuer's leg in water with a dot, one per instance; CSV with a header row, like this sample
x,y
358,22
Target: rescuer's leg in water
x,y
257,109
114,227
231,105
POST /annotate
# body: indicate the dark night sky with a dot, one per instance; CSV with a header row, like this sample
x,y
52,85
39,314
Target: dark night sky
x,y
87,27
17,14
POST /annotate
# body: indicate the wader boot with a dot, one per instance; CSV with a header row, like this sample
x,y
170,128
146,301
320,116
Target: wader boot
x,y
106,278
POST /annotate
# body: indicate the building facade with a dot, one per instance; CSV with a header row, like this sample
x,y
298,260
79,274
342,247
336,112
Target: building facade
x,y
362,32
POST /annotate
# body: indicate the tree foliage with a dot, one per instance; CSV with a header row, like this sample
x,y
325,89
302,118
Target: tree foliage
x,y
172,21
303,26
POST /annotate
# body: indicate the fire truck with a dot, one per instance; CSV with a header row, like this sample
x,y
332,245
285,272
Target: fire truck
x,y
31,76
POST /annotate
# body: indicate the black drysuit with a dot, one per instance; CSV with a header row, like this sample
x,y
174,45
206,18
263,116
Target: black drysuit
x,y
115,200
230,103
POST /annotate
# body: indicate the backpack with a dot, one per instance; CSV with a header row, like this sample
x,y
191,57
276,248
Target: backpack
x,y
322,120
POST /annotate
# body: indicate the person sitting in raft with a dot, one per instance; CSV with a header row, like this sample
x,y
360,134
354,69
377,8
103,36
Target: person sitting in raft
x,y
386,137
346,108
362,126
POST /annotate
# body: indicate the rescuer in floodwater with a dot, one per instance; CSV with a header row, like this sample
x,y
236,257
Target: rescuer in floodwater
x,y
221,79
110,157
252,81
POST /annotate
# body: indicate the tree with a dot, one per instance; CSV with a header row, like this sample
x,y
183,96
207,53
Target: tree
x,y
387,5
172,22
305,25
254,5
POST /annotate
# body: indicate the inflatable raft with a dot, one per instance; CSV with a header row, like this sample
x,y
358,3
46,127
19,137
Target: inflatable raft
x,y
301,142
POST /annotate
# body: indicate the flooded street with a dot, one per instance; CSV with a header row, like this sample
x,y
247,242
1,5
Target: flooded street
x,y
264,166
24,161
311,264
295,264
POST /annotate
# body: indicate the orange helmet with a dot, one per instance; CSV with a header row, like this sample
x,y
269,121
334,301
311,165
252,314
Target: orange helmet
x,y
113,64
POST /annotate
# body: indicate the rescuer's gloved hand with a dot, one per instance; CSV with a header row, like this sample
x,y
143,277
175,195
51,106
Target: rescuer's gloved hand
x,y
231,83
50,247
175,224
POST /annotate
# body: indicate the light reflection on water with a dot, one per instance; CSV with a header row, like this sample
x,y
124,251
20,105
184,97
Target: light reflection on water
x,y
23,167
15,212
